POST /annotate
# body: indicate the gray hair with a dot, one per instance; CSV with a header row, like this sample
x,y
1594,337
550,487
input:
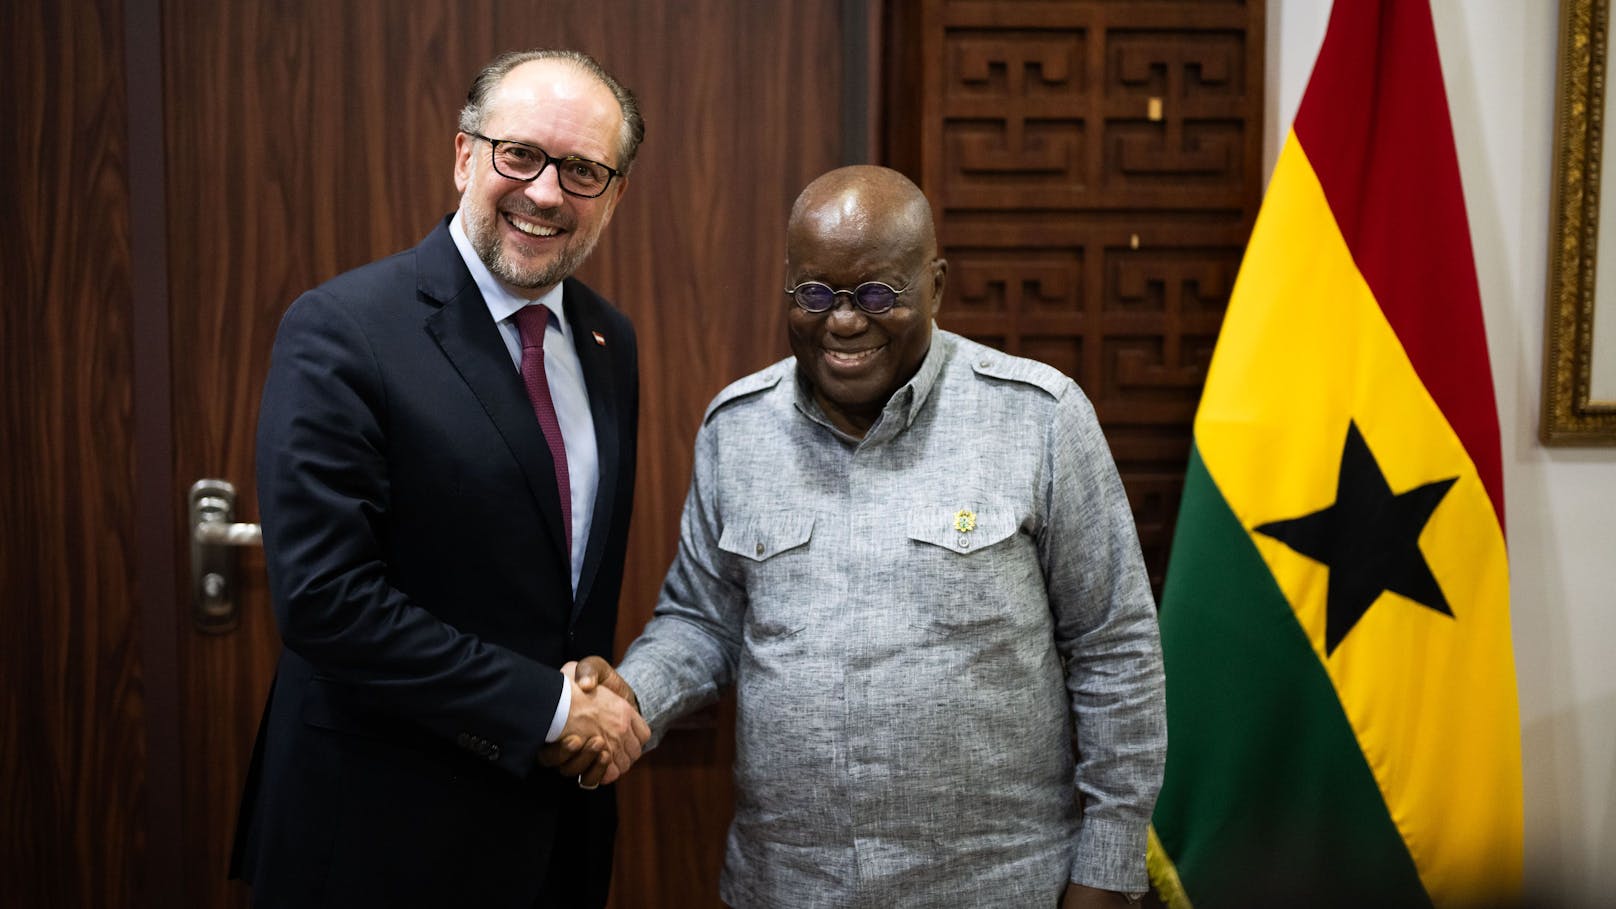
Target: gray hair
x,y
475,111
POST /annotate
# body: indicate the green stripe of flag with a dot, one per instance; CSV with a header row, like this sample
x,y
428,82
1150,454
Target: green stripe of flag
x,y
1268,799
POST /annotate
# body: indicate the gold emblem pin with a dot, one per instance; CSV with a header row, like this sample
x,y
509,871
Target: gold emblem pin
x,y
965,521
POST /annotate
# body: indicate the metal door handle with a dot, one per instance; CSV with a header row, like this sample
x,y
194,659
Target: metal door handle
x,y
214,532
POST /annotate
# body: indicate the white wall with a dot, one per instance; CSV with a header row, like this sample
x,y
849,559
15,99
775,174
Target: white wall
x,y
1499,59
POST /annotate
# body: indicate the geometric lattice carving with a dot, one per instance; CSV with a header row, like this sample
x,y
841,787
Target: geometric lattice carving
x,y
1095,171
1011,96
1171,281
989,281
1176,297
1193,130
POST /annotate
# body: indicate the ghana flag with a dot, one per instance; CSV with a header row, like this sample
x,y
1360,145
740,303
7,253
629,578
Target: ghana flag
x,y
1335,621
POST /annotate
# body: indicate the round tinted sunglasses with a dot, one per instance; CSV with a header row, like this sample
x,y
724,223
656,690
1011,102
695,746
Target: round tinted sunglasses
x,y
874,297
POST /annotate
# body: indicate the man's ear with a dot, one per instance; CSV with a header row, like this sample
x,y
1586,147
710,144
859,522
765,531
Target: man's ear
x,y
620,186
464,145
939,280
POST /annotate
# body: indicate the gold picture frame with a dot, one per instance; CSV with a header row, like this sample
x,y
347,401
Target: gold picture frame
x,y
1575,412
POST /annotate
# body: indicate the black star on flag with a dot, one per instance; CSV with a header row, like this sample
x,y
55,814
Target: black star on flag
x,y
1369,539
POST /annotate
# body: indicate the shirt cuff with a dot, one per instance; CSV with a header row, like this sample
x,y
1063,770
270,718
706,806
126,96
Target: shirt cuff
x,y
563,707
1111,856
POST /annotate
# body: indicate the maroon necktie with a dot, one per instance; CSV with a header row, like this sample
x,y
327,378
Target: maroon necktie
x,y
531,321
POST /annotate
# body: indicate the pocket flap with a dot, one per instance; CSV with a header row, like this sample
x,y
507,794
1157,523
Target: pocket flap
x,y
961,530
763,538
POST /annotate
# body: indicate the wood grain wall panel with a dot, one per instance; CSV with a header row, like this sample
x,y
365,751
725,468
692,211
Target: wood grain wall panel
x,y
71,727
307,138
1095,169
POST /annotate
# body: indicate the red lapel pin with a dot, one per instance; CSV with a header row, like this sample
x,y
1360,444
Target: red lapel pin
x,y
600,339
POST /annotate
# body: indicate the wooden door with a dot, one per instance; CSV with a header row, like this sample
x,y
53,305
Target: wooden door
x,y
305,139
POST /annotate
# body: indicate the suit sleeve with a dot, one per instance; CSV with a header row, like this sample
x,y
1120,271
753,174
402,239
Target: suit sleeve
x,y
324,496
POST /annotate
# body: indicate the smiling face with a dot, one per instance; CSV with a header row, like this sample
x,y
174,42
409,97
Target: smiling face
x,y
532,235
854,225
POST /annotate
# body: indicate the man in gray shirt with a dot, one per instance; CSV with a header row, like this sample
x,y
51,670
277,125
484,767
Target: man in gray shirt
x,y
913,556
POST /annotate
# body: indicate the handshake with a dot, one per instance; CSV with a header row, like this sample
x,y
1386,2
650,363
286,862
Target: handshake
x,y
605,733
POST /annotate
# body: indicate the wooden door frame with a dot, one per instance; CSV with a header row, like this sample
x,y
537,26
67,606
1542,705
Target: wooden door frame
x,y
157,587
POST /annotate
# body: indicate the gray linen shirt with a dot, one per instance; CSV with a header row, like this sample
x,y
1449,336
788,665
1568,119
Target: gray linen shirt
x,y
896,613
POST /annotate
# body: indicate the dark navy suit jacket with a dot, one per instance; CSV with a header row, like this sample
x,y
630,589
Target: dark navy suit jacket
x,y
417,564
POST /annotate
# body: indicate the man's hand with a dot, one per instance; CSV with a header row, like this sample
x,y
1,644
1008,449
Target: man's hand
x,y
1080,897
604,733
592,671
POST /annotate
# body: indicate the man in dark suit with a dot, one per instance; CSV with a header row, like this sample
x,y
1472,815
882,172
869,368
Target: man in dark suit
x,y
445,473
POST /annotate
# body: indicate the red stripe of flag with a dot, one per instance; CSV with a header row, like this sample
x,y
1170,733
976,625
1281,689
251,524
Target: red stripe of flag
x,y
1378,134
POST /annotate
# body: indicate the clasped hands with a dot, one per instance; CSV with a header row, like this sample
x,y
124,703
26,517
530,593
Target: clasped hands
x,y
604,734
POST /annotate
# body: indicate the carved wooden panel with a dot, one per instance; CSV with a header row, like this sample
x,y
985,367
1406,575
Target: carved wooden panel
x,y
1095,169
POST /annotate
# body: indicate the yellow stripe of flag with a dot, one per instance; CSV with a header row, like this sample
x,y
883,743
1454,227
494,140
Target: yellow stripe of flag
x,y
1306,349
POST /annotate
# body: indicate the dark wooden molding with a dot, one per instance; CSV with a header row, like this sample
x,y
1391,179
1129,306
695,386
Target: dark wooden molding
x,y
157,504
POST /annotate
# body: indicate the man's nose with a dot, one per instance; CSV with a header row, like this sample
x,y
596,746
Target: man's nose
x,y
845,318
545,189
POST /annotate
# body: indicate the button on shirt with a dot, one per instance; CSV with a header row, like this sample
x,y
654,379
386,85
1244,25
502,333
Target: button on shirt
x,y
569,393
913,620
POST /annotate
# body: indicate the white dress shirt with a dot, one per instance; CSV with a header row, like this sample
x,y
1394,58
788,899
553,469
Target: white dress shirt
x,y
568,392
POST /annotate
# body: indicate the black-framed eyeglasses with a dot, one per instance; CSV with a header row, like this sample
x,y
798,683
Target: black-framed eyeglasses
x,y
874,297
522,162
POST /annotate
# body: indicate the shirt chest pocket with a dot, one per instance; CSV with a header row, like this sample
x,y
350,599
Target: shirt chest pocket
x,y
774,564
762,538
961,531
975,568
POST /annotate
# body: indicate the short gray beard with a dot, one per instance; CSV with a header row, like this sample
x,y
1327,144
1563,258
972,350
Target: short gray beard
x,y
484,236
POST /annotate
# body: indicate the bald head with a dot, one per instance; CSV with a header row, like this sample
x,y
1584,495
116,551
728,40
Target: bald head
x,y
854,226
864,206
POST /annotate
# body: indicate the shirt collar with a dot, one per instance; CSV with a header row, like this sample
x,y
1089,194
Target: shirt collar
x,y
905,404
502,304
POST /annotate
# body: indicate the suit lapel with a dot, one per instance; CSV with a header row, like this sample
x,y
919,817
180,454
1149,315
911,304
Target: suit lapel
x,y
583,315
468,336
